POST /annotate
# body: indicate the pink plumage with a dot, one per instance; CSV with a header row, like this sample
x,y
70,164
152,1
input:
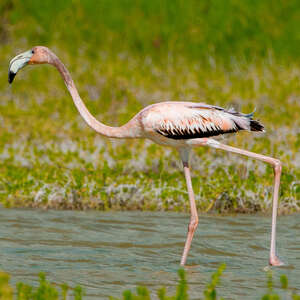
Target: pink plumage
x,y
188,120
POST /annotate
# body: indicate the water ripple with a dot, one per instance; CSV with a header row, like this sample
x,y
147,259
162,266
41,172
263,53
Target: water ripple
x,y
109,252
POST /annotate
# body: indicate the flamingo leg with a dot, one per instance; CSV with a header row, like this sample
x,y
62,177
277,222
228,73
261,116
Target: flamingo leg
x,y
194,215
274,260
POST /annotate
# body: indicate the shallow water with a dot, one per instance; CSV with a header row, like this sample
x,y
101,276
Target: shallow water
x,y
109,252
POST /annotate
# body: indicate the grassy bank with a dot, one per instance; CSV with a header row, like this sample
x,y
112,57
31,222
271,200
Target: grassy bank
x,y
124,57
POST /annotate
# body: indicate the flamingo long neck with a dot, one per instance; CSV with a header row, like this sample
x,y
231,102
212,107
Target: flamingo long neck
x,y
129,130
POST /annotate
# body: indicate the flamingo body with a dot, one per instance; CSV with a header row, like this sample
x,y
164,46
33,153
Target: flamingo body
x,y
175,123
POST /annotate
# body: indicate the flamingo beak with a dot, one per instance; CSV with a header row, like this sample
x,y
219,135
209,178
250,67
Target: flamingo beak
x,y
17,63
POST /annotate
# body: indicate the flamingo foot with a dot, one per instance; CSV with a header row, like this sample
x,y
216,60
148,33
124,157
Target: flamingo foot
x,y
275,261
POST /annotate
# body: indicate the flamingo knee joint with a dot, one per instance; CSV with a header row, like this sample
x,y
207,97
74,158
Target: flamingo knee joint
x,y
277,166
193,224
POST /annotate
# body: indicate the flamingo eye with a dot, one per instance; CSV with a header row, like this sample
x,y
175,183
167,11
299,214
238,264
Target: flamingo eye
x,y
32,51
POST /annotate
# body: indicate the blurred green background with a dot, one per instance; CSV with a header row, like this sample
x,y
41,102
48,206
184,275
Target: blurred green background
x,y
248,29
124,55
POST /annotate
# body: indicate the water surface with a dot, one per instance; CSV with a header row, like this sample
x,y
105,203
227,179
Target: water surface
x,y
107,253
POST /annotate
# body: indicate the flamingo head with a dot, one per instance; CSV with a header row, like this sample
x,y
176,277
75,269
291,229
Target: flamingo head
x,y
37,55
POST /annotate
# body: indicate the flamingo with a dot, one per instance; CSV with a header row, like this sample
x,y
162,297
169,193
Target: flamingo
x,y
181,125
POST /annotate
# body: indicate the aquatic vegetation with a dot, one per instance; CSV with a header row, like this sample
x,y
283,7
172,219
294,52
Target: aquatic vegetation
x,y
48,291
50,158
44,291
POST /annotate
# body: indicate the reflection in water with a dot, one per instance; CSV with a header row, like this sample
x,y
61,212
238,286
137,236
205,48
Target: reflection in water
x,y
109,252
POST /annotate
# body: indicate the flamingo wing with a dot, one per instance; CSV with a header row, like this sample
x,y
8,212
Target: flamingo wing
x,y
193,120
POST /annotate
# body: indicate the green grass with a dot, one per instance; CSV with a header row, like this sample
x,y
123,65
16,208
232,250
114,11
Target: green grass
x,y
128,55
48,291
193,29
44,291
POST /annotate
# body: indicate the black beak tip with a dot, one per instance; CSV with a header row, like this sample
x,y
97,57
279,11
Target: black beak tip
x,y
11,76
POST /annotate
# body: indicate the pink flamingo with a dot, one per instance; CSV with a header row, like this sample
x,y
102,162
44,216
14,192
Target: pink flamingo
x,y
182,125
